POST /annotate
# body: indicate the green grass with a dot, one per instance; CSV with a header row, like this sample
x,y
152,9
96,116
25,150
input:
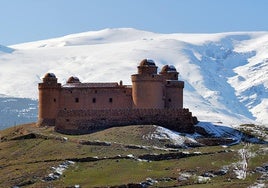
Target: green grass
x,y
115,172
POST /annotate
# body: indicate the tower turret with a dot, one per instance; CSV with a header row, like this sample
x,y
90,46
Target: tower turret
x,y
49,96
169,72
147,86
147,66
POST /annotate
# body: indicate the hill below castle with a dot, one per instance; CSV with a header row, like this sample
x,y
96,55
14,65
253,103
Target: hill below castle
x,y
134,156
225,74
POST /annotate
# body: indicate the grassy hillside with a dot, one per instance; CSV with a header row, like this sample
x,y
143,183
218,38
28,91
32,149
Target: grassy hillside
x,y
31,156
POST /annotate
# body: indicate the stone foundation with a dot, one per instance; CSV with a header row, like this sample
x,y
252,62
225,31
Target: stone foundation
x,y
46,122
88,121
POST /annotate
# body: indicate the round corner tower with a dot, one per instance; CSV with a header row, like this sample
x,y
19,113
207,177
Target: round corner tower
x,y
49,93
147,86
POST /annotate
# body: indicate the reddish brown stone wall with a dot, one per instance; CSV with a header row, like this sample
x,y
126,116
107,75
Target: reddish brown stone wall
x,y
87,121
98,98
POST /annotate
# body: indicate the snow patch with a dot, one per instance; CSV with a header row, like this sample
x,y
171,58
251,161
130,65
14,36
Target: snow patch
x,y
176,138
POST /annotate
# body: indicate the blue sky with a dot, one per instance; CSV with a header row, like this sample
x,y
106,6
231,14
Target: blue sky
x,y
31,20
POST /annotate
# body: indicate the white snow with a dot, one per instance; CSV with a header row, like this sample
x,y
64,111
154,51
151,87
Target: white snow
x,y
225,74
241,167
221,130
176,138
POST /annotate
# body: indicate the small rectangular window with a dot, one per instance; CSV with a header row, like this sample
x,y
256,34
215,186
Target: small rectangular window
x,y
94,100
77,100
110,100
54,100
169,100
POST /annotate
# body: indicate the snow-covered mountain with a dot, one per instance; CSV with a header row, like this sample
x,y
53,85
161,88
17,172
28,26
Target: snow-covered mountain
x,y
225,74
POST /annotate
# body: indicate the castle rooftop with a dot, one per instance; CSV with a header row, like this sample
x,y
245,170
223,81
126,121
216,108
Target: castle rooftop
x,y
92,85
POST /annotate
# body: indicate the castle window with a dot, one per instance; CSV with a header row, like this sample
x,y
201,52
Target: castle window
x,y
77,100
169,100
96,91
54,100
67,120
94,100
110,100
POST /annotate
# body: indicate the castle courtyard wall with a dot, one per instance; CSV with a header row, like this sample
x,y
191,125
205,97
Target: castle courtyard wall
x,y
88,121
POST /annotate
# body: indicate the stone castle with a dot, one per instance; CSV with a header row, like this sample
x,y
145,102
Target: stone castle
x,y
80,108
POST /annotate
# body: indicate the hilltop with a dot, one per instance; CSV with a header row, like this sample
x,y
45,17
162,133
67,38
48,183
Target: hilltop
x,y
224,73
139,156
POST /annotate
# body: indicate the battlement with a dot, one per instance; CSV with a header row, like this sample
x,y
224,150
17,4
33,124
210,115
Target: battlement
x,y
175,83
146,77
49,86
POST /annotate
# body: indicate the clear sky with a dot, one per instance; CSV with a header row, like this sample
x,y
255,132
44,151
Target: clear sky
x,y
31,20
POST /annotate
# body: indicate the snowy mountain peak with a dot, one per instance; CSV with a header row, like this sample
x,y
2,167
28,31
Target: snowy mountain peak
x,y
90,38
225,74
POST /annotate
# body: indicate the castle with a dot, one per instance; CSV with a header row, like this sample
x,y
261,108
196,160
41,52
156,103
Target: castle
x,y
80,108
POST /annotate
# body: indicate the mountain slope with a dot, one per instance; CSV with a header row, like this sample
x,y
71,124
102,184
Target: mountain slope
x,y
14,111
225,74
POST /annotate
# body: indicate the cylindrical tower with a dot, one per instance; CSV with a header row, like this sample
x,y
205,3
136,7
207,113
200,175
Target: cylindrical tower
x,y
147,86
49,93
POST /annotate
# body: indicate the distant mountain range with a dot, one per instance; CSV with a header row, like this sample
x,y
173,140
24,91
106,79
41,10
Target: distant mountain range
x,y
225,74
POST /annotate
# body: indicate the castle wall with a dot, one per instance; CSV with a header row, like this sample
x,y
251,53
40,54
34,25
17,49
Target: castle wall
x,y
87,121
95,98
